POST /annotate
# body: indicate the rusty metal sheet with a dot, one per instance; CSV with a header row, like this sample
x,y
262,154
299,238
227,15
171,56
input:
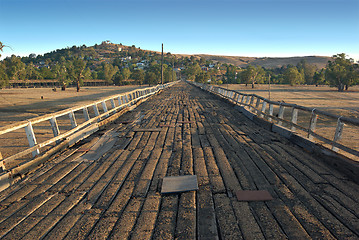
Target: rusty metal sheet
x,y
179,184
253,195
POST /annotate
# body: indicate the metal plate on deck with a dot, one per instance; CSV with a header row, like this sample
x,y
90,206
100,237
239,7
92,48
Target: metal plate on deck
x,y
179,184
250,195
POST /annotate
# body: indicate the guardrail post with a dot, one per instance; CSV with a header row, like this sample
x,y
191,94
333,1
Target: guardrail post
x,y
104,107
113,105
86,114
251,103
263,110
95,109
257,104
312,124
72,119
338,133
31,138
294,118
280,114
54,126
119,100
270,111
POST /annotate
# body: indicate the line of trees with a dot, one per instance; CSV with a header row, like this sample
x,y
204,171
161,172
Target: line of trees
x,y
342,73
73,65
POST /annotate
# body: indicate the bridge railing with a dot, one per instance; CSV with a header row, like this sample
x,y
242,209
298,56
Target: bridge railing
x,y
72,124
336,132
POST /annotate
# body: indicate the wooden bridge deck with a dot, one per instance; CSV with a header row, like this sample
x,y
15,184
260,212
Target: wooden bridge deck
x,y
111,188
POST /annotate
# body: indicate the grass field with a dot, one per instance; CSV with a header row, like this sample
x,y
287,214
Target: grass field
x,y
19,104
321,97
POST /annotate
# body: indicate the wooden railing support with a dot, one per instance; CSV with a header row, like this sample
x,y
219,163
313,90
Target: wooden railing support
x,y
31,138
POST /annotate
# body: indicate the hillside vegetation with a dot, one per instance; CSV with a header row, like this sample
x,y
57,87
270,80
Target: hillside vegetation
x,y
119,64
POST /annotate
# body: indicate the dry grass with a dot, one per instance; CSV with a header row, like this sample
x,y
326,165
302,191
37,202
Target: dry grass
x,y
20,104
322,97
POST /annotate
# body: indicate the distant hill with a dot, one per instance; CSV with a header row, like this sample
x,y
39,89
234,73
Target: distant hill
x,y
267,62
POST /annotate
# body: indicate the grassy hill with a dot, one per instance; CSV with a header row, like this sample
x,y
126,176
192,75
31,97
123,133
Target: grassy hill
x,y
268,62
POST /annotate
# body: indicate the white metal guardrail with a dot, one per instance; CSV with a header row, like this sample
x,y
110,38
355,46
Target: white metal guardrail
x,y
302,120
77,131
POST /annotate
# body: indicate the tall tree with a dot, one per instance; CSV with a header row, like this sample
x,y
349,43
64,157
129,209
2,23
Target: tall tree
x,y
109,72
76,70
151,78
125,73
253,75
293,76
341,72
138,75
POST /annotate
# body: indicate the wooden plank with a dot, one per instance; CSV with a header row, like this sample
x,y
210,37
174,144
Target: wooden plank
x,y
147,130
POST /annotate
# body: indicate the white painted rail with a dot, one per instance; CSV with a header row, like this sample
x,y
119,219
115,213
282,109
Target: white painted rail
x,y
90,124
264,108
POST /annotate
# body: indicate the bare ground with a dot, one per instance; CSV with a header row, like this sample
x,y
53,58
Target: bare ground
x,y
19,104
322,97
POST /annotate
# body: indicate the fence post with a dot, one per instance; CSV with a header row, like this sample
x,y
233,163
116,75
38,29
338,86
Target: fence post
x,y
72,119
270,111
97,113
294,118
280,114
251,103
263,110
119,101
312,124
86,114
112,103
31,138
54,126
104,107
257,104
338,133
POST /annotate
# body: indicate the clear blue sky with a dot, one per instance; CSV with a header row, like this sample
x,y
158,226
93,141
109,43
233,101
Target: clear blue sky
x,y
227,27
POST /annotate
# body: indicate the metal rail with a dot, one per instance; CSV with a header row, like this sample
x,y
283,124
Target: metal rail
x,y
77,131
263,108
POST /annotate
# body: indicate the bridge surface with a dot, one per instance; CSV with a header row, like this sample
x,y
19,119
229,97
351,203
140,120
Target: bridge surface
x,y
109,187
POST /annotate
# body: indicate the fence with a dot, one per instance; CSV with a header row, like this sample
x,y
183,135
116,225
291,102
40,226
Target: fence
x,y
328,129
75,124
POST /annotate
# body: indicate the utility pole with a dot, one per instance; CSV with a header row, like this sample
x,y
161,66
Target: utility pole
x,y
173,67
269,87
162,66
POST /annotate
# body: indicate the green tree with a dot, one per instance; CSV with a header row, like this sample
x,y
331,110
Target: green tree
x,y
293,76
319,77
15,68
231,74
138,75
151,78
202,77
252,74
125,73
3,76
192,70
76,70
341,72
109,72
